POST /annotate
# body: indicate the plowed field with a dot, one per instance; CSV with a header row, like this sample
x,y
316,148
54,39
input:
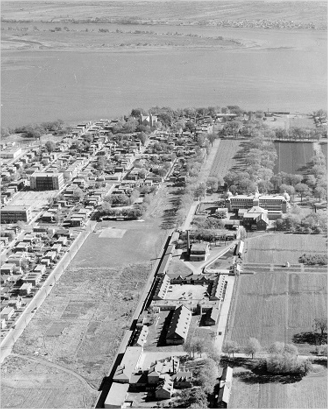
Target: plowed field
x,y
292,156
278,306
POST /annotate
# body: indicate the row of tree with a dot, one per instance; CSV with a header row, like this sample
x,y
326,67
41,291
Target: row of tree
x,y
258,156
37,130
295,223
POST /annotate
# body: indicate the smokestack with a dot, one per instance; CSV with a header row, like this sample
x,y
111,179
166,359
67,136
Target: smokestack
x,y
188,243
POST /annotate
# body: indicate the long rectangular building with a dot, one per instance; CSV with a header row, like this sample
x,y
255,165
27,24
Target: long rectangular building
x,y
13,214
268,202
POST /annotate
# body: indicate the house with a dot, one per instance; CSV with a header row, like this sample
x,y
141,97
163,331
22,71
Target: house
x,y
51,255
128,365
33,278
255,219
7,313
164,389
40,268
21,247
199,252
179,326
25,289
182,380
212,316
15,302
116,396
223,397
168,366
8,268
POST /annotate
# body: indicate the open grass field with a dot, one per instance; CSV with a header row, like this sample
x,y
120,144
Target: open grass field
x,y
278,306
224,159
293,156
135,242
38,384
310,392
279,248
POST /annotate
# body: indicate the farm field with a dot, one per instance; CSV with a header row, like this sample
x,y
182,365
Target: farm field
x,y
278,306
292,156
224,159
310,392
279,248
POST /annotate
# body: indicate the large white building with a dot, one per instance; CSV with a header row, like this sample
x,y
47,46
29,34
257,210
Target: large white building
x,y
272,203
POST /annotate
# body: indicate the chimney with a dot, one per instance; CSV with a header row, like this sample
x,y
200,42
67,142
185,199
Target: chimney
x,y
188,243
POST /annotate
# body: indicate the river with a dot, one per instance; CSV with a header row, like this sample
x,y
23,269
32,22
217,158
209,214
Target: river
x,y
43,85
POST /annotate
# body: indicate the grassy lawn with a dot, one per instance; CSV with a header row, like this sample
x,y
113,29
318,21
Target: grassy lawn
x,y
140,242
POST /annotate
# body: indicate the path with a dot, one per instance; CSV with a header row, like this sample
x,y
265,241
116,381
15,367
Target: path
x,y
267,355
53,365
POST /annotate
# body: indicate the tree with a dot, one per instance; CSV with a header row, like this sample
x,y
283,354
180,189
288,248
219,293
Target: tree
x,y
302,189
5,132
276,348
212,183
287,188
291,349
208,375
142,138
200,191
211,138
230,347
320,192
253,346
78,194
320,324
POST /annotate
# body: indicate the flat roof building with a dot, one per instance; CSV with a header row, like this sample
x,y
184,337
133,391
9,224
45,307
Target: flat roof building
x,y
116,395
128,365
267,202
13,214
46,181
